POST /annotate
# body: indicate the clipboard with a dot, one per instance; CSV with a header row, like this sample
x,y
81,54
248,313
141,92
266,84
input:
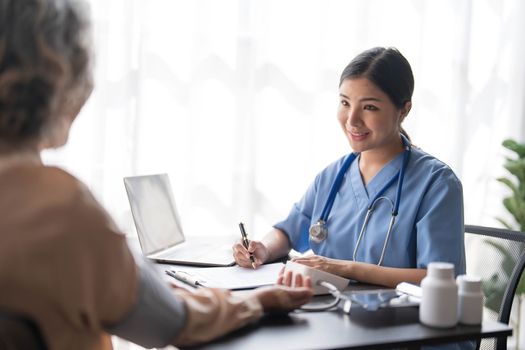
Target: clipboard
x,y
233,277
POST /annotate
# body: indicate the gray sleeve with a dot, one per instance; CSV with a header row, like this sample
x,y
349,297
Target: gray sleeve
x,y
157,317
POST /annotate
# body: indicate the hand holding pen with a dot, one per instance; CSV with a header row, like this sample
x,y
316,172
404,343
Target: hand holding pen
x,y
249,253
246,243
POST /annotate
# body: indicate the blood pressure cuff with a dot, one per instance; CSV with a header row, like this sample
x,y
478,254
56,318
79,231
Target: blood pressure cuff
x,y
157,317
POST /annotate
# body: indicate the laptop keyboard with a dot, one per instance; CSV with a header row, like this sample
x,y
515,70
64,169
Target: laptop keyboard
x,y
192,250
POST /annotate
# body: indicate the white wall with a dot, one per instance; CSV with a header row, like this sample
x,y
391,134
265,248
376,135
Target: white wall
x,y
236,100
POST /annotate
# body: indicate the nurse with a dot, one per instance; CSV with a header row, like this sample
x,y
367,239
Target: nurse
x,y
415,200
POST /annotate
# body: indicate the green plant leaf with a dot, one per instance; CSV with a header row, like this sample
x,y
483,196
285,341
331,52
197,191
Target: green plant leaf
x,y
510,205
494,289
520,210
516,206
509,184
505,224
508,262
514,146
516,168
521,286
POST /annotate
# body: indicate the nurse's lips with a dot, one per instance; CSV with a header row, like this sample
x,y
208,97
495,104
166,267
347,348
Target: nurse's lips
x,y
358,136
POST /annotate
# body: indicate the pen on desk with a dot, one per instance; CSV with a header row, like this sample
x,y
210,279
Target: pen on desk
x,y
184,277
246,243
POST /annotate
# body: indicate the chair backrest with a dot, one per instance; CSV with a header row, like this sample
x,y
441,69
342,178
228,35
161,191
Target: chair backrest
x,y
17,333
497,255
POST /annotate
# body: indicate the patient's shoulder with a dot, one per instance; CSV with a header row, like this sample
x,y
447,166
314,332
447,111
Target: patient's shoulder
x,y
49,193
57,180
38,180
73,198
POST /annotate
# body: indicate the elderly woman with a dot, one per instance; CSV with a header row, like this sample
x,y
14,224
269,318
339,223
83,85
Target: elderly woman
x,y
63,262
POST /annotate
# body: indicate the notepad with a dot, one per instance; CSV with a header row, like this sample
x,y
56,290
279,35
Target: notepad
x,y
235,277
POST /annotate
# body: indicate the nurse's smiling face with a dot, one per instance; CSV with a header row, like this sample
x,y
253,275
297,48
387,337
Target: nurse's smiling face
x,y
368,117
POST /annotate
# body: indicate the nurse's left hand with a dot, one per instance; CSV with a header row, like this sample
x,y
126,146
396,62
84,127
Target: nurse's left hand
x,y
322,263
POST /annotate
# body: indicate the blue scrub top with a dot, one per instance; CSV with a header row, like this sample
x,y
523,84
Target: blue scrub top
x,y
429,226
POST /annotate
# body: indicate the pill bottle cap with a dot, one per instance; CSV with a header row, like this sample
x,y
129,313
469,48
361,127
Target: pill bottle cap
x,y
440,270
469,284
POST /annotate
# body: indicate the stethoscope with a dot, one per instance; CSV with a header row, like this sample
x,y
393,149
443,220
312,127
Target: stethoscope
x,y
319,231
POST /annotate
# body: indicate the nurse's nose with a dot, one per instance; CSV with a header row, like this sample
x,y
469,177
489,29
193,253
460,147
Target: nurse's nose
x,y
353,118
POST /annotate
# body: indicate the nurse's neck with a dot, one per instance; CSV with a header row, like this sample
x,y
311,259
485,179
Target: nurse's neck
x,y
373,160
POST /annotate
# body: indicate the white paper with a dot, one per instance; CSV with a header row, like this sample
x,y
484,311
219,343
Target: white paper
x,y
235,277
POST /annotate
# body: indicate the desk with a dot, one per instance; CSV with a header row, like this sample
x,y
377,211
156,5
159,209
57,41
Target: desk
x,y
383,329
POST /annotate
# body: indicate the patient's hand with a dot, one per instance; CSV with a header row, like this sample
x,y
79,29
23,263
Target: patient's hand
x,y
283,298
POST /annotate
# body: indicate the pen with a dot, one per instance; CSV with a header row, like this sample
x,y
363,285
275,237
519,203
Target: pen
x,y
246,242
185,277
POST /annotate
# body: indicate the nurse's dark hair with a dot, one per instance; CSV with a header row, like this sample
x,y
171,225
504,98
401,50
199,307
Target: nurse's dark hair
x,y
388,69
44,64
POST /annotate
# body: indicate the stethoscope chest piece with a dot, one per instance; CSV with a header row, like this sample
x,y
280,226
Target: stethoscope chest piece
x,y
318,231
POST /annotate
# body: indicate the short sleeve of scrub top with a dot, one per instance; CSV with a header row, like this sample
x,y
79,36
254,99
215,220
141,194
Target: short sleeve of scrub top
x,y
429,226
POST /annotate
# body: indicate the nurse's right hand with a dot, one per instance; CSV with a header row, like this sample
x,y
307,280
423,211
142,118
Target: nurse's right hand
x,y
242,255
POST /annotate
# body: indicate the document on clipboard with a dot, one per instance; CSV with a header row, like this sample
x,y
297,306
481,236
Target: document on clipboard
x,y
232,277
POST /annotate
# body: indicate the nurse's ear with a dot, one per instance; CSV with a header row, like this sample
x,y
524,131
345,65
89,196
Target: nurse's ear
x,y
403,112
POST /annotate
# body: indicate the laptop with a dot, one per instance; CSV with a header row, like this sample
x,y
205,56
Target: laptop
x,y
160,231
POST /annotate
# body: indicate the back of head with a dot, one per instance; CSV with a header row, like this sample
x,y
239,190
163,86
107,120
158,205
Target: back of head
x,y
44,65
388,69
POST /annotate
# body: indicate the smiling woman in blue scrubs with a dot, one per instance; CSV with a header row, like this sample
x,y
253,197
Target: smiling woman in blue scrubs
x,y
385,172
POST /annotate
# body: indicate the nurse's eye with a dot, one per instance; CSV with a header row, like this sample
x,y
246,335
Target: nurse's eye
x,y
345,103
371,108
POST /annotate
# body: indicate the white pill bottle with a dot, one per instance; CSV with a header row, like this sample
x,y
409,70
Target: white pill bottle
x,y
439,300
470,300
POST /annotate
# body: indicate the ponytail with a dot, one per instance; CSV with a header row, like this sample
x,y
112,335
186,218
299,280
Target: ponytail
x,y
404,133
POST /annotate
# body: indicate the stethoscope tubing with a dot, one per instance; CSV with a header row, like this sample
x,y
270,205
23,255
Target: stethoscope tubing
x,y
337,183
372,203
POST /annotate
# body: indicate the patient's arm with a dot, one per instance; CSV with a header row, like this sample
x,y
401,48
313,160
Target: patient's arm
x,y
157,317
214,312
163,316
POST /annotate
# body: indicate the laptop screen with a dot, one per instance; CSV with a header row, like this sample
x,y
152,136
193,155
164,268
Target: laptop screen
x,y
153,208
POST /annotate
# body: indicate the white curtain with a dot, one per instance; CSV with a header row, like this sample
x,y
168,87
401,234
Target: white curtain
x,y
236,99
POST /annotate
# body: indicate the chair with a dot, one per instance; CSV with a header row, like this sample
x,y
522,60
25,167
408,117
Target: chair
x,y
17,333
501,261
